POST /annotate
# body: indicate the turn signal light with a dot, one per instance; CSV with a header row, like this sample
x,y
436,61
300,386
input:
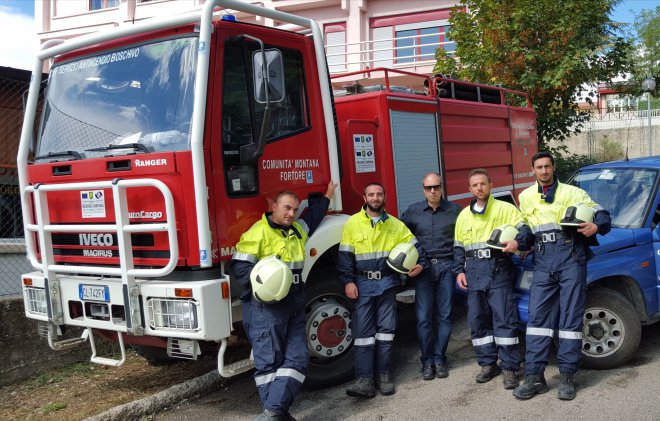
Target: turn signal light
x,y
313,252
27,282
224,286
183,292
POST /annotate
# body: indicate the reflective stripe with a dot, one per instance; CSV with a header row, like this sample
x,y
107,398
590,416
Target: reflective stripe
x,y
545,227
413,241
520,225
482,341
384,336
506,341
290,372
371,256
540,331
475,246
245,256
364,341
295,265
347,248
266,378
458,243
304,226
598,208
567,334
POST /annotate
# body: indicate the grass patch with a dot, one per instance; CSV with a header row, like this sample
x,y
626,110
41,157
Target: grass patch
x,y
53,407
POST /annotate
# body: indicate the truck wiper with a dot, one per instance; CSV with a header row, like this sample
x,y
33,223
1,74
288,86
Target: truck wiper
x,y
135,146
73,154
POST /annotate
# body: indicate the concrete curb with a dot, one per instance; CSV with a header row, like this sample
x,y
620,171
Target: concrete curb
x,y
201,385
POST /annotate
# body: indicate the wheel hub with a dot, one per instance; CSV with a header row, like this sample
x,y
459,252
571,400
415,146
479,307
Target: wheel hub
x,y
603,332
328,329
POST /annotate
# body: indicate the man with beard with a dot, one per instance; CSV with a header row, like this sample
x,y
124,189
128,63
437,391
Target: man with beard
x,y
277,330
489,276
367,239
559,283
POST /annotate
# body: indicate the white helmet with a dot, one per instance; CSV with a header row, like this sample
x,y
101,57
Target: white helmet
x,y
577,214
403,257
502,233
270,279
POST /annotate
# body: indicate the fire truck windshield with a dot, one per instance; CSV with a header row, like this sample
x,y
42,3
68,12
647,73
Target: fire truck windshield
x,y
141,94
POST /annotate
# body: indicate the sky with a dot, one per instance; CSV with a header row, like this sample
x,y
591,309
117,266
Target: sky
x,y
18,42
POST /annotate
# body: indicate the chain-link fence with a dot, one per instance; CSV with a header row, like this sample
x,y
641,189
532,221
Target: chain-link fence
x,y
13,84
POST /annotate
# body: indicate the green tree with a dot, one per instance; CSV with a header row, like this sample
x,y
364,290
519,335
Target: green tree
x,y
645,37
550,49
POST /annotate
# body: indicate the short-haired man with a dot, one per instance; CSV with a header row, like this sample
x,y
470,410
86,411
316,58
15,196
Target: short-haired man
x,y
367,238
277,330
433,221
489,276
557,294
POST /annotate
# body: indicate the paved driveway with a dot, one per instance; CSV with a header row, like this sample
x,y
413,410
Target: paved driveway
x,y
630,392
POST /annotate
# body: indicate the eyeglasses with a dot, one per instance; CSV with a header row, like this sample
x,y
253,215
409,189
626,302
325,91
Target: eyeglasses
x,y
435,187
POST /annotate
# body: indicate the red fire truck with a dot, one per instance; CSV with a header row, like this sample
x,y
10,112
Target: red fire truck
x,y
160,143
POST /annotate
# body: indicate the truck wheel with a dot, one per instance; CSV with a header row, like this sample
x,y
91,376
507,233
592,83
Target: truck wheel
x,y
155,356
328,329
612,330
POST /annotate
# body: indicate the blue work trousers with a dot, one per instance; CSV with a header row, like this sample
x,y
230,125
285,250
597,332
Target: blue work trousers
x,y
556,306
373,326
277,334
493,319
434,295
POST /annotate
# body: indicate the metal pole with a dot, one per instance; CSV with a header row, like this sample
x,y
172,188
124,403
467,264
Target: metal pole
x,y
650,131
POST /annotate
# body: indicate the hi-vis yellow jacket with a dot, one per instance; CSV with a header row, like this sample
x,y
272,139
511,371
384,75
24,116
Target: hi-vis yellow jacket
x,y
364,247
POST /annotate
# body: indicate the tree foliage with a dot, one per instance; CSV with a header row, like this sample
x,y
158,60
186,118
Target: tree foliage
x,y
547,48
645,36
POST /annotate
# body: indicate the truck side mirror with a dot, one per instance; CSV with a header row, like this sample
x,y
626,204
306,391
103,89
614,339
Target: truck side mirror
x,y
268,69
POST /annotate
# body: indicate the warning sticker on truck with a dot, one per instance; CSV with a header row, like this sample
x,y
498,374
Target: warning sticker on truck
x,y
365,161
92,204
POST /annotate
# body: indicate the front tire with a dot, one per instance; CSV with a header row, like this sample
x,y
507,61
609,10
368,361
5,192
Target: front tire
x,y
612,330
328,330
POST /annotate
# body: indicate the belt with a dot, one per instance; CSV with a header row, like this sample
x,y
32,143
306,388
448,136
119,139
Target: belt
x,y
436,261
551,237
483,253
371,274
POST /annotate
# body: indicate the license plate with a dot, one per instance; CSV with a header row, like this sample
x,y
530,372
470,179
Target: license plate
x,y
94,292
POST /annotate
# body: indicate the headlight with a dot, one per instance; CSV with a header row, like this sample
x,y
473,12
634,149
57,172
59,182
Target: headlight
x,y
525,280
176,314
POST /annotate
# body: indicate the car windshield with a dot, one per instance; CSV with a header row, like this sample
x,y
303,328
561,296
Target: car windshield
x,y
625,193
140,97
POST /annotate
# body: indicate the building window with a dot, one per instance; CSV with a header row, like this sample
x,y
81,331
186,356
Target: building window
x,y
420,44
102,4
335,45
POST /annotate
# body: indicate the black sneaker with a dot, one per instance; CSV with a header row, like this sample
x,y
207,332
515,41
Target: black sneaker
x,y
566,389
441,371
534,384
428,372
362,388
487,373
385,384
268,415
509,379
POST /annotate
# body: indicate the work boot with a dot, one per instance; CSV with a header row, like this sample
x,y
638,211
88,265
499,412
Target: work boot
x,y
441,370
268,415
428,372
566,389
362,388
487,373
509,379
385,384
534,383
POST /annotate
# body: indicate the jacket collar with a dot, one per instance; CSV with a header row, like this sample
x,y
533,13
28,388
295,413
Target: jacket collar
x,y
548,197
285,230
444,203
485,209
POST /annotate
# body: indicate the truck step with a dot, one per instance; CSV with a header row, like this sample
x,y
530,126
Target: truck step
x,y
233,369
